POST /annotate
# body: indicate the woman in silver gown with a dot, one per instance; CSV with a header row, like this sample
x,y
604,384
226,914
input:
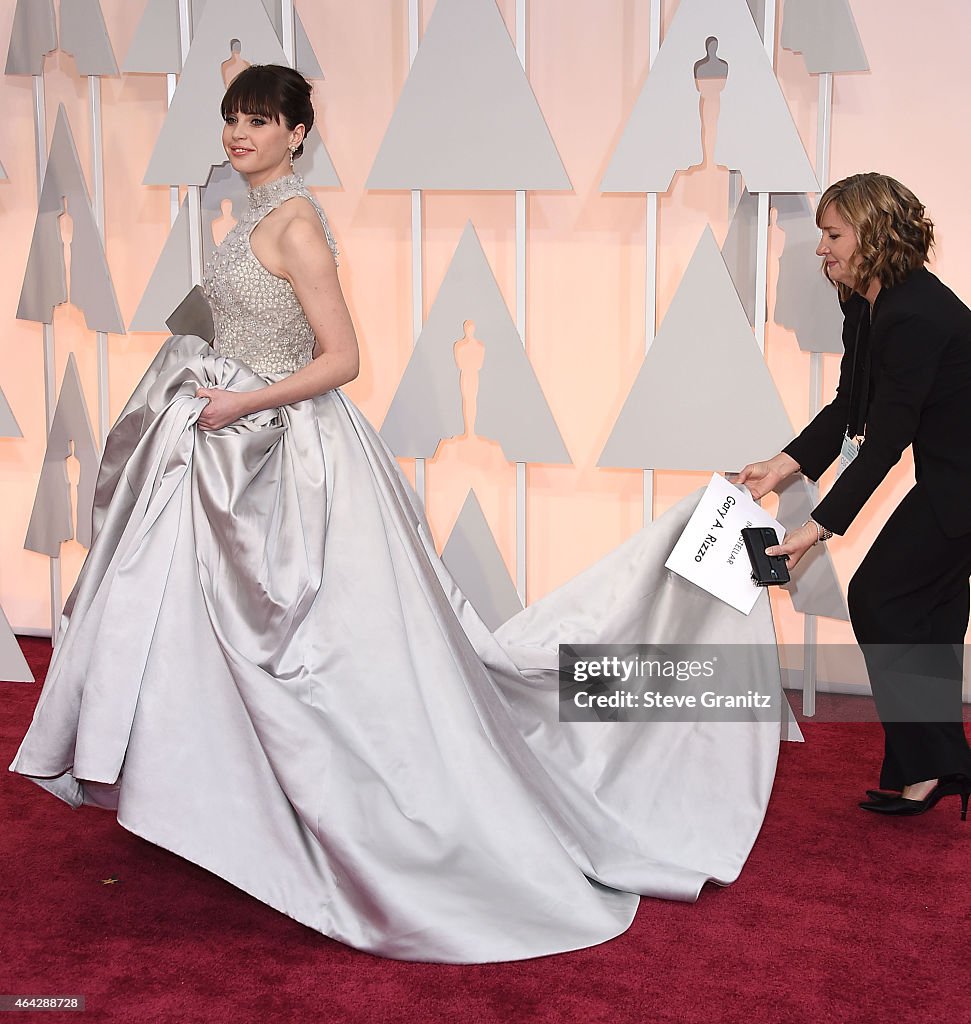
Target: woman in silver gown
x,y
265,668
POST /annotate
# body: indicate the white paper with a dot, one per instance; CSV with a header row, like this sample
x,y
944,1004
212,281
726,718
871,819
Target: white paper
x,y
710,552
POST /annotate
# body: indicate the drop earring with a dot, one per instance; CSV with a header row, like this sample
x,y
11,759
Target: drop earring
x,y
291,158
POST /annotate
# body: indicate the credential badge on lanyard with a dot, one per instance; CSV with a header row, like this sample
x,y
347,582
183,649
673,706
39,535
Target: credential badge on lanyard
x,y
848,452
853,438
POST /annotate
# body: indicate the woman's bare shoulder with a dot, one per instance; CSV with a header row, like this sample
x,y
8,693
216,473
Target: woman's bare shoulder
x,y
292,238
296,224
295,210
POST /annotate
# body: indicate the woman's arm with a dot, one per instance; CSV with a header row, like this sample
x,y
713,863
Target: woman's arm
x,y
299,254
911,351
818,445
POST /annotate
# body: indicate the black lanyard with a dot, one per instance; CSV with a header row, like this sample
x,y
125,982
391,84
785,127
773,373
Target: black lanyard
x,y
858,401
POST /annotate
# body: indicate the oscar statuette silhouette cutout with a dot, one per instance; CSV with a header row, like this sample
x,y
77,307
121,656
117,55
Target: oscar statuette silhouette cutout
x,y
67,315
65,225
72,470
235,64
224,223
469,461
469,357
711,77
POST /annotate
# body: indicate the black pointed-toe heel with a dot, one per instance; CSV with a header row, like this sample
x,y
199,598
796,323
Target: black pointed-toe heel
x,y
902,806
883,794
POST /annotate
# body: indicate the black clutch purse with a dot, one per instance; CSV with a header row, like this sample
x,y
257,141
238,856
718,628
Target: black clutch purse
x,y
767,571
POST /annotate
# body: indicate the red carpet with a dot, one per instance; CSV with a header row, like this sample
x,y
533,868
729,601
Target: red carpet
x,y
832,907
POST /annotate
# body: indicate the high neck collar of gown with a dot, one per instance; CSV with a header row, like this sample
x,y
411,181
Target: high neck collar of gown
x,y
270,192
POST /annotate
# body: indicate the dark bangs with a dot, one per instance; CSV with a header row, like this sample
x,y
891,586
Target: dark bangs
x,y
255,90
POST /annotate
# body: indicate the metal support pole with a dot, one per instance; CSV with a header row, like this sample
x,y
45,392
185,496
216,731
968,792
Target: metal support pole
x,y
734,191
98,181
650,268
768,31
193,195
50,366
824,131
761,268
417,275
521,228
40,142
762,233
289,33
417,307
171,82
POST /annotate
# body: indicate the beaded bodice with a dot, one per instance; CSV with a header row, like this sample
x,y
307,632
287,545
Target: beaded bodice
x,y
257,316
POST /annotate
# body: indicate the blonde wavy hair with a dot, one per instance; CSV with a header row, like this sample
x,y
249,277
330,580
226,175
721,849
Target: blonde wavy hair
x,y
894,237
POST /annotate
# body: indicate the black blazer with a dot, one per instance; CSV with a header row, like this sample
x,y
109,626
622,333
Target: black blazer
x,y
920,394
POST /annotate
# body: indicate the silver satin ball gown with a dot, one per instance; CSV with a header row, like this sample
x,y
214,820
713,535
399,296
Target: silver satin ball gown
x,y
265,668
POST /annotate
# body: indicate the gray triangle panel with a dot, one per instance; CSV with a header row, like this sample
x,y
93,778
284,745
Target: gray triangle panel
x,y
757,7
511,407
50,519
170,285
740,251
791,733
224,183
189,144
155,48
467,117
45,279
44,284
755,134
825,33
704,398
307,63
13,664
34,34
475,563
170,281
8,422
316,166
306,60
85,36
193,315
805,301
815,588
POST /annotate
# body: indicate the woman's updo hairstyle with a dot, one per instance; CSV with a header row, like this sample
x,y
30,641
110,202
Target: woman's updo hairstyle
x,y
894,235
271,91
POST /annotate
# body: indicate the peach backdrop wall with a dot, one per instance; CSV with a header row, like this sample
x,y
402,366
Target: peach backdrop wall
x,y
587,63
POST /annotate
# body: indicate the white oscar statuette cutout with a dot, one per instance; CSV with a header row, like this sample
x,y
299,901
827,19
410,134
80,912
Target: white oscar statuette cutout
x,y
710,552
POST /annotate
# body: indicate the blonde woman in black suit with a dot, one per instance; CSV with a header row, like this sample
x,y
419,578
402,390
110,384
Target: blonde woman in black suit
x,y
905,380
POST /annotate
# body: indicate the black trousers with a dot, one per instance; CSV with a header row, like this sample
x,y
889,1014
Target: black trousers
x,y
909,606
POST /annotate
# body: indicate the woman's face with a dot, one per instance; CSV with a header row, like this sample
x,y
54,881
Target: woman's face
x,y
838,247
259,147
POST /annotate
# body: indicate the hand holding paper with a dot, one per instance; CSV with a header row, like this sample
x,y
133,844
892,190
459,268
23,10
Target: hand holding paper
x,y
710,552
762,477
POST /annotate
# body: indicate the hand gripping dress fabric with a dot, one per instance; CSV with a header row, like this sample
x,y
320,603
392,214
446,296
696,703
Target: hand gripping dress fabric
x,y
265,668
